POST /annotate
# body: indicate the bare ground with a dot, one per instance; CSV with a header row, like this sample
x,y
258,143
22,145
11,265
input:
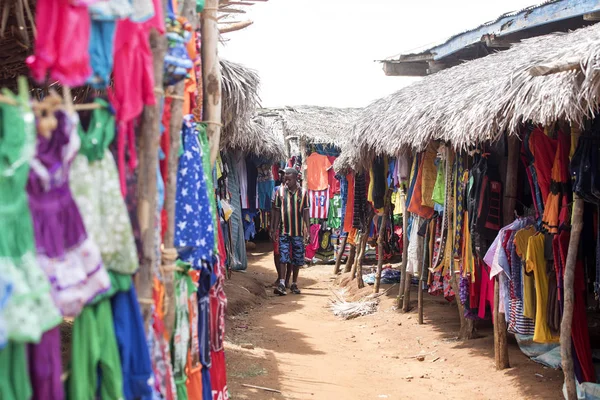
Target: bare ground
x,y
295,344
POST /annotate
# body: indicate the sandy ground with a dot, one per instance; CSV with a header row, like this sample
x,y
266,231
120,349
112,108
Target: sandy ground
x,y
295,344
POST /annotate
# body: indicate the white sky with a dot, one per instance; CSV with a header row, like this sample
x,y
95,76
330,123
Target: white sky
x,y
322,52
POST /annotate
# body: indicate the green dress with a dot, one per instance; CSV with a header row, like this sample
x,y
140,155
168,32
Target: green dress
x,y
30,310
94,181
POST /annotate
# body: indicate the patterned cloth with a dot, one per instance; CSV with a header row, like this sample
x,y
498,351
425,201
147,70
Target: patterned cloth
x,y
296,243
194,232
291,206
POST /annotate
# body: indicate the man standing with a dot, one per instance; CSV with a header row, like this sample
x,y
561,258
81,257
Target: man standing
x,y
274,231
291,211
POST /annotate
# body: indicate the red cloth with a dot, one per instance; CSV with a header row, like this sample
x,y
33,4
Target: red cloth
x,y
334,184
486,294
218,375
544,150
165,145
62,42
416,201
348,218
313,246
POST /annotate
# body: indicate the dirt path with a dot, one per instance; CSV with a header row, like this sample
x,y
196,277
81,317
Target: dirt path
x,y
301,349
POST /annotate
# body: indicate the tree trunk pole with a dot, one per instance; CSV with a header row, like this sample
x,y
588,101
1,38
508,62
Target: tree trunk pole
x,y
211,76
350,260
569,298
359,260
404,249
359,237
424,267
338,261
510,200
175,123
147,191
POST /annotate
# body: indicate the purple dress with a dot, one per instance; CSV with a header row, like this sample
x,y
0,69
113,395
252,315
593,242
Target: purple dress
x,y
69,258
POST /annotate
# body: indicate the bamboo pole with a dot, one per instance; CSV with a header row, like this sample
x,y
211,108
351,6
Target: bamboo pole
x,y
211,76
189,12
510,199
569,298
340,254
147,191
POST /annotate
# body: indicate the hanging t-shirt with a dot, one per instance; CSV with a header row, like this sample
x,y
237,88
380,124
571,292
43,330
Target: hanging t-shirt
x,y
335,212
334,183
318,172
521,240
319,203
536,263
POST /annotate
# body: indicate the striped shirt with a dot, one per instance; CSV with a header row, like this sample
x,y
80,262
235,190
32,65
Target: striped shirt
x,y
291,206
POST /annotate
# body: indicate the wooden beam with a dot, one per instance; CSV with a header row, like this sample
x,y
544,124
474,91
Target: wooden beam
x,y
211,77
231,10
235,26
593,17
493,42
404,69
569,299
555,67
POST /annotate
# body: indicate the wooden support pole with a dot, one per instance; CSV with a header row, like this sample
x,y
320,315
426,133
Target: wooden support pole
x,y
424,266
404,248
569,299
340,254
359,237
381,238
147,191
211,76
360,259
350,260
510,200
189,12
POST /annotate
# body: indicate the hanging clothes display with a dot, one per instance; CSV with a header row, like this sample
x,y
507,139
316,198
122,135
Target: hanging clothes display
x,y
318,167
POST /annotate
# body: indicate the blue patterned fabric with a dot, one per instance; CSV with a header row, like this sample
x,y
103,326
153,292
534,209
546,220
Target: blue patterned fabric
x,y
5,292
298,250
194,232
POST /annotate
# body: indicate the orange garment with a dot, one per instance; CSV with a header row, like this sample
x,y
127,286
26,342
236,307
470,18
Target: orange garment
x,y
317,176
557,203
416,205
193,368
191,84
349,205
352,237
428,176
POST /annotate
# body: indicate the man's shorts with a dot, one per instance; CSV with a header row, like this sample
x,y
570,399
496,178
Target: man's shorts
x,y
296,243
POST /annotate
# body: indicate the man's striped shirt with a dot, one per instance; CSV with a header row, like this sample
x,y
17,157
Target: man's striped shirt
x,y
292,206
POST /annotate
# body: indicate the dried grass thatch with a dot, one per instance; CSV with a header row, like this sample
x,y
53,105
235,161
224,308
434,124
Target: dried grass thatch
x,y
260,137
318,125
479,100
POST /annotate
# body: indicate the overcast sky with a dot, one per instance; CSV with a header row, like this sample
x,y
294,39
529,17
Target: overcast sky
x,y
322,52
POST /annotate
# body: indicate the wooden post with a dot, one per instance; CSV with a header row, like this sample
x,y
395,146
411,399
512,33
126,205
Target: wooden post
x,y
569,298
381,238
211,76
467,326
147,191
350,260
510,199
404,249
424,266
360,259
340,254
358,239
175,124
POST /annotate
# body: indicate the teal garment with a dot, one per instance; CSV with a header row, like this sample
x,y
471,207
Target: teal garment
x,y
14,376
210,188
94,349
238,260
199,5
99,134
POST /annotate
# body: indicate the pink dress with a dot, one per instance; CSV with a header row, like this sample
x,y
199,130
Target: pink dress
x,y
61,44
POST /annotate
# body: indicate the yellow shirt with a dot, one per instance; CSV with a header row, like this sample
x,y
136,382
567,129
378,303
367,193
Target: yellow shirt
x,y
536,263
521,241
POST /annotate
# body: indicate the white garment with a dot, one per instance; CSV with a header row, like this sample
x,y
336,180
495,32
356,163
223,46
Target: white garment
x,y
415,249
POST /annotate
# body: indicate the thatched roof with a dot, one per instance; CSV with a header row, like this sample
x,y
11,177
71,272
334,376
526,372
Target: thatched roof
x,y
260,137
317,125
479,100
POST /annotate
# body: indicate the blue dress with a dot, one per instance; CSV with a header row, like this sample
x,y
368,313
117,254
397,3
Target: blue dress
x,y
194,232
